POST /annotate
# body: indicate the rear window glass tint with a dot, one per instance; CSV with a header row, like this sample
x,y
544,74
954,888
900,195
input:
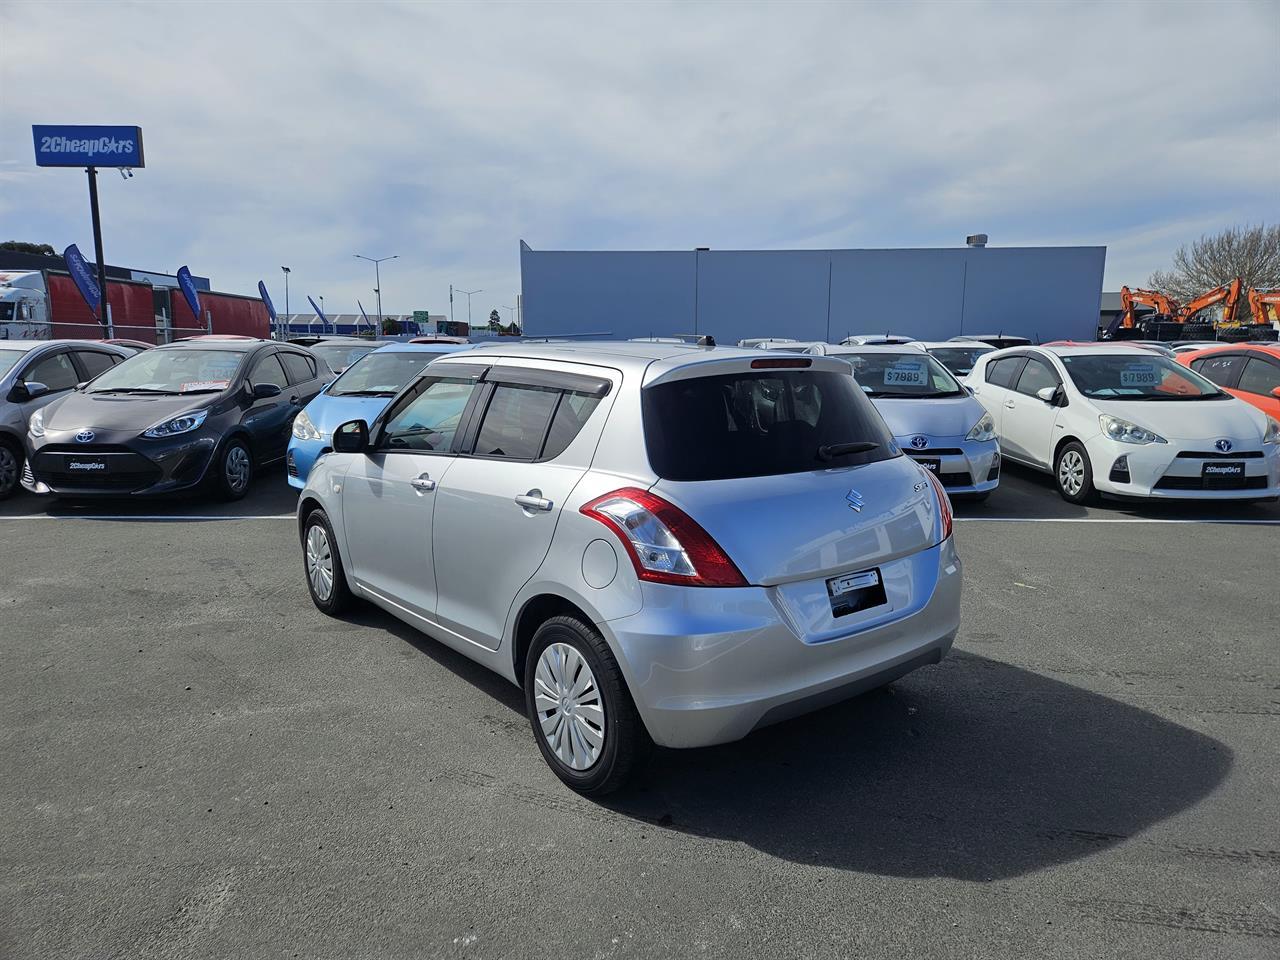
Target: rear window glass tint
x,y
1259,377
515,424
758,424
571,414
299,368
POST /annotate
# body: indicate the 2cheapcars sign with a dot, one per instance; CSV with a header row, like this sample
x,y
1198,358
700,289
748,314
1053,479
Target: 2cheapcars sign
x,y
88,146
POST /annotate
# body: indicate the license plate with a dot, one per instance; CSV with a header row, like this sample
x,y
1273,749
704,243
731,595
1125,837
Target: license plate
x,y
89,466
1222,473
851,592
933,466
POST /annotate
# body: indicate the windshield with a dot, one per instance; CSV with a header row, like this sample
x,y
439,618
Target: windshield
x,y
1136,377
339,356
959,360
760,424
182,370
8,358
911,374
380,374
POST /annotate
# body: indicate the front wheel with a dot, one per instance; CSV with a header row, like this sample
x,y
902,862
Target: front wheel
x,y
10,468
326,582
582,714
1074,474
233,470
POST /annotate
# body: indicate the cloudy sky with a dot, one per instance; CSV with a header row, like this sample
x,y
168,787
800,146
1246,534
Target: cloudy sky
x,y
301,133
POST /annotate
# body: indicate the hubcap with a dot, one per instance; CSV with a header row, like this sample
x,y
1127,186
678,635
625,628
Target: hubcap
x,y
319,562
8,469
570,709
237,468
1071,472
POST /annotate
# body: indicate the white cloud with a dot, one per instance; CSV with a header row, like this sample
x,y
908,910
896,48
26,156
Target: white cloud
x,y
302,133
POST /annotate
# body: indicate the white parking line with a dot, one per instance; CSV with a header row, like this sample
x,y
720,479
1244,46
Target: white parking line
x,y
139,516
1242,523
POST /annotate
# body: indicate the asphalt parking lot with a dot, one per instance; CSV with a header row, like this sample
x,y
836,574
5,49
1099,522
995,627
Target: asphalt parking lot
x,y
194,762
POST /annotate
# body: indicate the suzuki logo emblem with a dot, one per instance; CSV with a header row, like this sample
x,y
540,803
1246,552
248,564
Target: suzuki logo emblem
x,y
1223,445
84,436
855,500
919,442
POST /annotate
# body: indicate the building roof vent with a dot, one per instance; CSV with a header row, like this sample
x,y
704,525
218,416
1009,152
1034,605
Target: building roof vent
x,y
976,240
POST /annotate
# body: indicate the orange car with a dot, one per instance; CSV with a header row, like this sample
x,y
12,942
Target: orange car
x,y
1249,371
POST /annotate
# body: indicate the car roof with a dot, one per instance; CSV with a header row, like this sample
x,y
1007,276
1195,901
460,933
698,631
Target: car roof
x,y
1074,350
395,346
835,349
1270,349
953,344
236,346
33,344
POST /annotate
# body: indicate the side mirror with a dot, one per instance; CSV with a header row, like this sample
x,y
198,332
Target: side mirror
x,y
264,391
1275,392
967,389
1049,395
351,437
30,390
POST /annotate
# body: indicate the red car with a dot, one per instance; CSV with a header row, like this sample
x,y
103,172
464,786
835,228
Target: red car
x,y
1249,371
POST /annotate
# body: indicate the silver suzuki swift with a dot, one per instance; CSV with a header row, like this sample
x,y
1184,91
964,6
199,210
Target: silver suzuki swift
x,y
659,543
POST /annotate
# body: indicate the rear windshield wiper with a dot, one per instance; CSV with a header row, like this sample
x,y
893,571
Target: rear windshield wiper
x,y
830,451
364,393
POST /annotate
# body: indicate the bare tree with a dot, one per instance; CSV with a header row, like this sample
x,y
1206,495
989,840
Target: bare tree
x,y
1249,252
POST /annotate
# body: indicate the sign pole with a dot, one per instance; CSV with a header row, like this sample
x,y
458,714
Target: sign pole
x,y
97,245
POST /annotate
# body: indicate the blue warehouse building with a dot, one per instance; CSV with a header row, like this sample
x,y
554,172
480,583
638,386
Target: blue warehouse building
x,y
1044,293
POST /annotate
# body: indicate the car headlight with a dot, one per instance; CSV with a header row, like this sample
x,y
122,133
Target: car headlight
x,y
1272,433
35,426
984,429
304,429
183,423
1127,432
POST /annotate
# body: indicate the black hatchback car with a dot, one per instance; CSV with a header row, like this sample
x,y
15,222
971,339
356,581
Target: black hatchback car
x,y
205,412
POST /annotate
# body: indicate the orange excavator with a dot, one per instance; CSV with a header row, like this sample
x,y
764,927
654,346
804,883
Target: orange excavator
x,y
1228,295
1264,305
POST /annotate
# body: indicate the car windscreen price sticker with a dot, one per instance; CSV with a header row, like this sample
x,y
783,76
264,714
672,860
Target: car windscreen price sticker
x,y
1139,375
202,385
907,373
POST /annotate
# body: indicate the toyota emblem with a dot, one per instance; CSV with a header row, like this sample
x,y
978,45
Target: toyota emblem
x,y
1223,445
84,436
919,442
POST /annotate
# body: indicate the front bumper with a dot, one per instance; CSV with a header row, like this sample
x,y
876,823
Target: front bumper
x,y
709,665
301,457
132,467
1176,470
964,466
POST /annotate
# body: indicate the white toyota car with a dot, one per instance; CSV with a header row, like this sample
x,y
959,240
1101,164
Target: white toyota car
x,y
1122,420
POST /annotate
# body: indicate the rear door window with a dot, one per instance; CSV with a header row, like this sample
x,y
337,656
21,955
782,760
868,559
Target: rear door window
x,y
516,422
1224,371
1003,372
299,368
754,424
1259,377
95,362
56,372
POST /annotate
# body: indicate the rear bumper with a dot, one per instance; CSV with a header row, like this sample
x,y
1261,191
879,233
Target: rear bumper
x,y
708,666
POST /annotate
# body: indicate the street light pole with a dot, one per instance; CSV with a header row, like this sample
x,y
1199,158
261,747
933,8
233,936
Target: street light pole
x,y
377,278
287,271
469,294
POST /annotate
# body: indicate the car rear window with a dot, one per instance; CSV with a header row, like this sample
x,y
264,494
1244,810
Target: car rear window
x,y
756,424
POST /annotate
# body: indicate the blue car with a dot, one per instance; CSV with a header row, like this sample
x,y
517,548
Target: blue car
x,y
360,393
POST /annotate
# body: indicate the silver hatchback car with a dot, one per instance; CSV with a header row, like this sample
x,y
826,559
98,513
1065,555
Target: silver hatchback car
x,y
657,542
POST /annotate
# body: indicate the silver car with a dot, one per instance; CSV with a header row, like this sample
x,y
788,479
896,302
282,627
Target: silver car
x,y
933,417
34,373
659,543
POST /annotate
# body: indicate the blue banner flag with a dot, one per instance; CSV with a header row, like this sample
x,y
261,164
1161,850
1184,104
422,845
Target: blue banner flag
x,y
363,314
82,276
319,312
87,146
189,291
266,298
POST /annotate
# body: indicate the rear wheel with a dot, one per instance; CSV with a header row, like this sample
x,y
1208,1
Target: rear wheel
x,y
1074,473
10,467
583,717
233,470
326,582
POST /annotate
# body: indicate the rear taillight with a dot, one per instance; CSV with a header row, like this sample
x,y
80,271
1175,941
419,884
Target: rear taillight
x,y
665,544
944,504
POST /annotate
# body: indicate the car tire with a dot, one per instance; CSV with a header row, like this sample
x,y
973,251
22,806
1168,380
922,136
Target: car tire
x,y
11,460
233,470
594,740
322,564
1073,474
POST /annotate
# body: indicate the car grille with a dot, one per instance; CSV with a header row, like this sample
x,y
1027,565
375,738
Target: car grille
x,y
933,452
290,465
956,479
127,470
1215,455
1197,483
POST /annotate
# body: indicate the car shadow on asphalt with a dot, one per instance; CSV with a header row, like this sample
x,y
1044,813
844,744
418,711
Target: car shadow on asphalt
x,y
972,769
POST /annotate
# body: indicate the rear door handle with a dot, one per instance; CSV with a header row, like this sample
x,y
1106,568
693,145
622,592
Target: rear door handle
x,y
533,500
423,483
